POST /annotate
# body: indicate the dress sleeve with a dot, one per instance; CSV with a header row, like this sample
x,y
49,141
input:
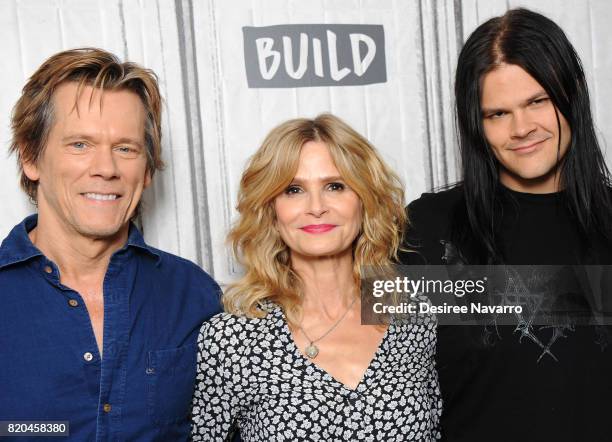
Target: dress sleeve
x,y
436,400
216,400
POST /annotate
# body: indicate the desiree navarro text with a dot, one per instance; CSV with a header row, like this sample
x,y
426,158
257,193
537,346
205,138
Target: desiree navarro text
x,y
426,308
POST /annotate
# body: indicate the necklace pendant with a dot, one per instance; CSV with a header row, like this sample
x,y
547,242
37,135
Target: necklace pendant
x,y
312,351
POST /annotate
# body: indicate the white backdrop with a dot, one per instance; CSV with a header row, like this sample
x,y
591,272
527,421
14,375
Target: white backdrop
x,y
213,122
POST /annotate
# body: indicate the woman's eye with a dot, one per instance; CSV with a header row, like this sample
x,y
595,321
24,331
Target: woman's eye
x,y
335,186
292,190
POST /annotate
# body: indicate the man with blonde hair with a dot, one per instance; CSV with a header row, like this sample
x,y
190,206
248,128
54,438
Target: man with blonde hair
x,y
97,329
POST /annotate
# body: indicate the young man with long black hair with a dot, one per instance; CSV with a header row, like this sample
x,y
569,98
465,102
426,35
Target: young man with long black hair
x,y
535,190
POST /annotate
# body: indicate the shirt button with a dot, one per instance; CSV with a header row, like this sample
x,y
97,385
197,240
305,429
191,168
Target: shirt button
x,y
88,356
48,269
107,408
73,302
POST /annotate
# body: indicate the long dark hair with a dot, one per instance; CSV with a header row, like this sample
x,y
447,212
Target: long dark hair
x,y
539,46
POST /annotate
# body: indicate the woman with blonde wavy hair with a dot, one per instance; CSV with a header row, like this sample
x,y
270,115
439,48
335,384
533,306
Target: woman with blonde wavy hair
x,y
290,359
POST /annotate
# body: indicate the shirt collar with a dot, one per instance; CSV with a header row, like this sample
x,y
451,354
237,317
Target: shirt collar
x,y
136,240
17,246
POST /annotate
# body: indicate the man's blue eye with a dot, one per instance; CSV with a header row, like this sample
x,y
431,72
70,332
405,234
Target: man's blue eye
x,y
79,144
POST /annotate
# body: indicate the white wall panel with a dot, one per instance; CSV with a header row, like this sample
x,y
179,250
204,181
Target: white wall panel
x,y
601,87
80,23
12,71
168,216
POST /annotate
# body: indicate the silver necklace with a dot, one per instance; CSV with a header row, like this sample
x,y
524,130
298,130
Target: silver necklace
x,y
312,350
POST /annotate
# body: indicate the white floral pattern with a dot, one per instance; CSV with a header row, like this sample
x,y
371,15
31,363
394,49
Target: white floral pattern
x,y
251,372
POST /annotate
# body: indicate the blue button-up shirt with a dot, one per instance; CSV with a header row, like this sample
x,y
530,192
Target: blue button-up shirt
x,y
50,366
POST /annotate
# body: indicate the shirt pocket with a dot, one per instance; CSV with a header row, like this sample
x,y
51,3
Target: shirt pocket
x,y
171,378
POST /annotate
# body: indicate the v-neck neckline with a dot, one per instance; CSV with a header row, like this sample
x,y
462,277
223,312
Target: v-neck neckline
x,y
378,357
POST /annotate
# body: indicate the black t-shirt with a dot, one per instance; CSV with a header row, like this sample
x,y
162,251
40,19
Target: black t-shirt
x,y
497,385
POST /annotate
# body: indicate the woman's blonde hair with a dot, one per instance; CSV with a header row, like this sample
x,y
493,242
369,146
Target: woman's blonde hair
x,y
254,238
